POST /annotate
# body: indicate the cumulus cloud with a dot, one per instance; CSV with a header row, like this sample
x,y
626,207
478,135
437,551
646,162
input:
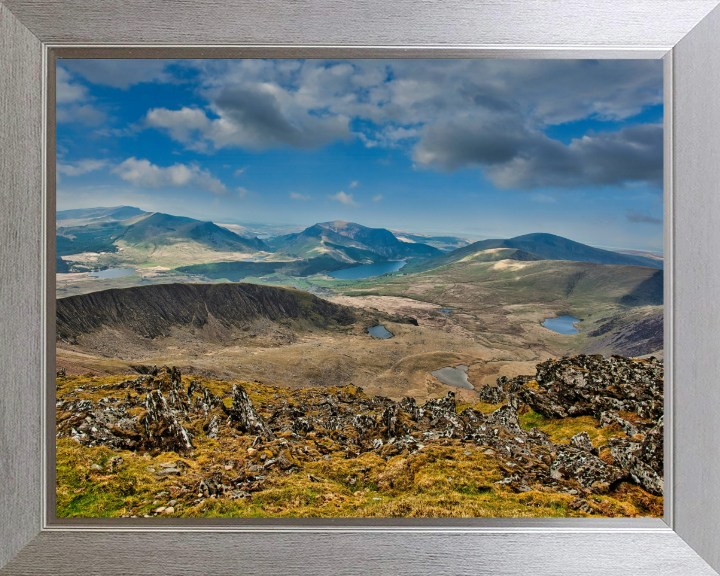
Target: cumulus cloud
x,y
144,174
182,125
446,114
66,90
72,101
121,73
642,217
80,167
514,156
632,154
251,117
298,196
343,198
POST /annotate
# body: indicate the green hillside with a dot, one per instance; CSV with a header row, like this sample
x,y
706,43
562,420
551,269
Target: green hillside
x,y
339,235
542,246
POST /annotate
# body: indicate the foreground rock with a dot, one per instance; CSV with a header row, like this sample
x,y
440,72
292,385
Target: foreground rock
x,y
163,413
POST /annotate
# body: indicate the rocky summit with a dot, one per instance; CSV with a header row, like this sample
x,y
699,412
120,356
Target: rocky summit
x,y
582,436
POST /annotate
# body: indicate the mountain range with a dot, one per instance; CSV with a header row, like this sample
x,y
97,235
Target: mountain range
x,y
350,241
108,229
538,246
128,235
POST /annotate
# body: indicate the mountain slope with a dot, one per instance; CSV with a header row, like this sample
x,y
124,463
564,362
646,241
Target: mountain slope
x,y
339,235
159,229
153,311
542,246
143,234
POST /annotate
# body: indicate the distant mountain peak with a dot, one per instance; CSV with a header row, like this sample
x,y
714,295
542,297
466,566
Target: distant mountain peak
x,y
541,245
352,240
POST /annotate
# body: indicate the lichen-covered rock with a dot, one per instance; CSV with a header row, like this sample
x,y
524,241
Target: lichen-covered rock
x,y
97,424
610,417
652,447
491,394
542,404
243,415
582,441
442,414
584,467
296,426
162,428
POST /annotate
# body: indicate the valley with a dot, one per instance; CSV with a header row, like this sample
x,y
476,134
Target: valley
x,y
459,319
498,294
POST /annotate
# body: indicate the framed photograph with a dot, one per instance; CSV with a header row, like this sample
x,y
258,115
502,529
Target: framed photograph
x,y
443,285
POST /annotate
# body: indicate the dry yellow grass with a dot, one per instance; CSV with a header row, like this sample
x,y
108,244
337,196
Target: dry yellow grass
x,y
446,478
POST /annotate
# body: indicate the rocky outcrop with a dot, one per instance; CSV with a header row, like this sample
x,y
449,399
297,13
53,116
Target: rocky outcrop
x,y
243,415
290,426
590,385
162,428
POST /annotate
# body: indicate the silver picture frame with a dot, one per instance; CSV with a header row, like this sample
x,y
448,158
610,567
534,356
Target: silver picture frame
x,y
685,33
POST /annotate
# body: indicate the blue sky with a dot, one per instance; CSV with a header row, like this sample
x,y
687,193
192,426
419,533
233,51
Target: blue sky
x,y
478,148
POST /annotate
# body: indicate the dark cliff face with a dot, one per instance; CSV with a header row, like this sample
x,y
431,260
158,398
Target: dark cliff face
x,y
152,311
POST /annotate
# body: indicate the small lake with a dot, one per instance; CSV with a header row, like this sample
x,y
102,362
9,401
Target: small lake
x,y
380,331
367,270
562,324
112,273
454,376
446,310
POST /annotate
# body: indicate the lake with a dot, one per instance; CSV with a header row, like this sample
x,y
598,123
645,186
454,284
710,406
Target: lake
x,y
454,376
112,273
446,310
562,324
380,331
367,270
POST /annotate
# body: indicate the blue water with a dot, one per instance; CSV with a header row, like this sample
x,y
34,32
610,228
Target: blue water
x,y
112,273
446,310
562,324
454,376
380,331
367,270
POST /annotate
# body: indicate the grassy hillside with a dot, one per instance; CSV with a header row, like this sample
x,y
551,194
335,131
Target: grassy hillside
x,y
504,301
542,246
150,240
236,271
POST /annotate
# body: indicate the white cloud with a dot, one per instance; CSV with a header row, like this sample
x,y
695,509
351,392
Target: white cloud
x,y
445,114
80,167
67,91
242,192
120,73
343,198
354,183
183,125
298,196
377,197
240,171
144,174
